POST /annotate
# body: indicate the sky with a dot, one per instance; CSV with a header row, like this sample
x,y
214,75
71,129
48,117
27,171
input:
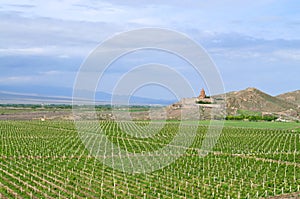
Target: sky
x,y
252,43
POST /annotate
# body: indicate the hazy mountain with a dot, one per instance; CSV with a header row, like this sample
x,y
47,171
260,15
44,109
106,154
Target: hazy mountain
x,y
29,98
101,98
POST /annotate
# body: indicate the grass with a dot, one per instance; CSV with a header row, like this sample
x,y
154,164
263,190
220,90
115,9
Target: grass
x,y
248,124
249,113
261,124
49,160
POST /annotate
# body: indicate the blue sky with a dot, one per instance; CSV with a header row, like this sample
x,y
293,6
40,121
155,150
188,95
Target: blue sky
x,y
253,43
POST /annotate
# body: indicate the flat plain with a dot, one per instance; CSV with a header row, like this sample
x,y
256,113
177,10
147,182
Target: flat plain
x,y
48,160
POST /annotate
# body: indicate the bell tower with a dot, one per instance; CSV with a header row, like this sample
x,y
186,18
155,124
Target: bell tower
x,y
202,94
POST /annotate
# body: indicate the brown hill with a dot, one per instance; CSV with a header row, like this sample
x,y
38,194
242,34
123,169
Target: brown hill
x,y
252,99
292,97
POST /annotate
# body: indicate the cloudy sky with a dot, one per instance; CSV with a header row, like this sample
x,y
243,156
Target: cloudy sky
x,y
252,43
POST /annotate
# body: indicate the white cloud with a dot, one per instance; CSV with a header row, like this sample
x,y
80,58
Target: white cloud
x,y
51,72
288,54
262,32
47,78
22,51
58,51
16,79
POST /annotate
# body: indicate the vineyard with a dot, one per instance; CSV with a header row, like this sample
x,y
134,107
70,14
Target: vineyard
x,y
48,160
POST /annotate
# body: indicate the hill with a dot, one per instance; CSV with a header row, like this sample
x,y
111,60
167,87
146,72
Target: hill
x,y
292,97
252,99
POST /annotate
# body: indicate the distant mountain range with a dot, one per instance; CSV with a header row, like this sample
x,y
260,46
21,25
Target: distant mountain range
x,y
100,98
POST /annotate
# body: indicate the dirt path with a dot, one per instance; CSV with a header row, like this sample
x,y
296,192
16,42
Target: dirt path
x,y
287,196
260,159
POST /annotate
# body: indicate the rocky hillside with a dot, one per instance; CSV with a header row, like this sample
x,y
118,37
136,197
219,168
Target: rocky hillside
x,y
292,97
249,101
253,99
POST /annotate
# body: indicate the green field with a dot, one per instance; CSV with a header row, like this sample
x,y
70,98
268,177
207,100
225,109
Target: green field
x,y
49,160
252,124
259,124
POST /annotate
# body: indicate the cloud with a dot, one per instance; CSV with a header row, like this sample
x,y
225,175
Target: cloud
x,y
16,79
20,5
51,72
47,78
22,51
50,40
23,35
288,54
